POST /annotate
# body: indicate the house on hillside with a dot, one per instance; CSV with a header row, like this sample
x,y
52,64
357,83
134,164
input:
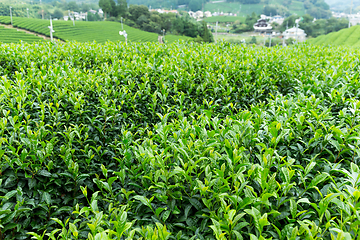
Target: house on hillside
x,y
164,11
101,13
295,33
278,19
207,14
262,16
262,26
199,14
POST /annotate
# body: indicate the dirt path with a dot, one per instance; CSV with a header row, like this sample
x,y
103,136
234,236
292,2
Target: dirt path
x,y
28,32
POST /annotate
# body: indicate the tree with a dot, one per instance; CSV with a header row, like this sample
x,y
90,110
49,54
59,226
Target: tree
x,y
195,5
206,35
106,5
93,17
141,20
136,11
250,1
122,8
57,14
253,40
270,10
72,6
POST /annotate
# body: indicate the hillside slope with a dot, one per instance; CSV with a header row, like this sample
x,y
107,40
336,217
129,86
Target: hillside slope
x,y
13,36
87,31
344,37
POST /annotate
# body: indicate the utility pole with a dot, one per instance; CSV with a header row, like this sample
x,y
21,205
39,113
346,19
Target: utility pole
x,y
122,24
270,40
42,12
297,26
51,30
350,13
265,40
11,16
73,18
27,9
216,31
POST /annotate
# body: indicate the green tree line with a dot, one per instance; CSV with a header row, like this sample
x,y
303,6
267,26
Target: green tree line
x,y
139,16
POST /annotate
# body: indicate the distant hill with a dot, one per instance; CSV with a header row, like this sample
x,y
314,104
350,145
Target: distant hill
x,y
341,5
344,37
244,7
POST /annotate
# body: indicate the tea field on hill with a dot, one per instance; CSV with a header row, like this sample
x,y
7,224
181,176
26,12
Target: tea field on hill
x,y
87,31
178,141
349,37
12,35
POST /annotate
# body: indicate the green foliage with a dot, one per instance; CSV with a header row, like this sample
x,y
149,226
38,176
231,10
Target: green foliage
x,y
178,141
141,17
253,40
272,10
57,14
195,5
247,25
249,1
316,28
107,6
224,19
19,10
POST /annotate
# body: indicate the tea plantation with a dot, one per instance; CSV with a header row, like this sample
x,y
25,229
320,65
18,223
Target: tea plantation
x,y
346,37
179,141
12,35
87,31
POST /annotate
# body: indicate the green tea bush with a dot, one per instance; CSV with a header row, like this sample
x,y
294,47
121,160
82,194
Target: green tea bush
x,y
178,141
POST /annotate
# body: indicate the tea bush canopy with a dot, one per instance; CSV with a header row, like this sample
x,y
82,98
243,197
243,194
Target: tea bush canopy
x,y
87,31
178,141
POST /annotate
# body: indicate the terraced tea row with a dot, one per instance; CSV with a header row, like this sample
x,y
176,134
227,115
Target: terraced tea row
x,y
12,35
87,31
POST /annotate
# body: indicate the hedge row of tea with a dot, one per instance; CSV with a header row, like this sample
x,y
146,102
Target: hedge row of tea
x,y
87,31
182,141
12,36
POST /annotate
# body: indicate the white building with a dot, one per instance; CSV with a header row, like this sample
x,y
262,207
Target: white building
x,y
101,13
262,16
295,33
278,19
199,14
207,14
191,14
262,26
